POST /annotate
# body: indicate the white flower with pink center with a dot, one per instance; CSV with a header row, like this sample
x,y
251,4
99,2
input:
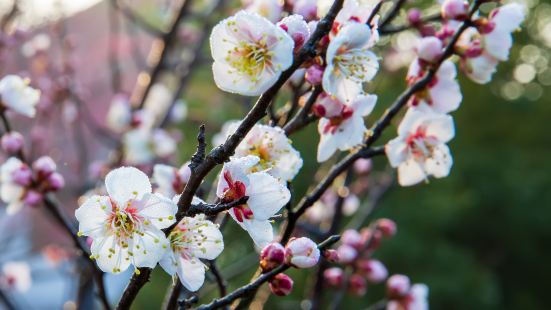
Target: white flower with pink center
x,y
170,180
484,47
249,52
266,197
125,227
341,126
18,96
275,151
350,63
16,276
193,239
420,149
15,177
442,94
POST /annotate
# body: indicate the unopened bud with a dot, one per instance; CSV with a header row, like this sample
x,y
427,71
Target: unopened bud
x,y
281,284
331,255
32,198
333,276
387,227
297,29
56,181
429,49
357,285
455,9
347,254
397,286
414,16
272,256
352,238
302,253
374,270
314,74
12,142
44,166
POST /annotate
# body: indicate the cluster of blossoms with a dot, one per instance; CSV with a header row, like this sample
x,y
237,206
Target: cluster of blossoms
x,y
298,253
143,140
21,185
421,150
354,255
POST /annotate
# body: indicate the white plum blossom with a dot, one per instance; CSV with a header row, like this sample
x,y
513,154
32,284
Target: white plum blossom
x,y
271,145
415,299
442,94
353,10
350,63
484,47
342,126
266,197
420,149
16,95
14,177
125,227
429,49
270,9
249,53
170,180
193,239
119,116
142,145
16,276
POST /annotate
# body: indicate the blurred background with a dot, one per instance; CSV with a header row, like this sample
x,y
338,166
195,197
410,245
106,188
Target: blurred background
x,y
480,239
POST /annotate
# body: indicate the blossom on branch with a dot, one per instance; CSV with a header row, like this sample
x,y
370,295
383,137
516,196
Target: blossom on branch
x,y
249,53
125,227
420,149
194,238
341,126
171,181
16,95
266,197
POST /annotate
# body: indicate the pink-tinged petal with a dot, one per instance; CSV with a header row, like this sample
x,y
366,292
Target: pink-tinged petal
x,y
92,216
363,105
127,183
480,69
169,262
396,151
164,176
191,273
266,195
410,173
238,169
260,231
441,127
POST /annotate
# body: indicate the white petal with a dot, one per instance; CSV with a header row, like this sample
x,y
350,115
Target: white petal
x,y
127,183
164,176
92,215
441,127
209,243
260,231
440,163
191,273
170,262
266,195
410,173
364,104
158,209
109,255
148,249
396,151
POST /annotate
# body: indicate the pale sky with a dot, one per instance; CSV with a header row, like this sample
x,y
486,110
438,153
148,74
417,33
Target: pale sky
x,y
36,12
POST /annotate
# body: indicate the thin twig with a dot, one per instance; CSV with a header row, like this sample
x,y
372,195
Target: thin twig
x,y
300,120
220,282
136,19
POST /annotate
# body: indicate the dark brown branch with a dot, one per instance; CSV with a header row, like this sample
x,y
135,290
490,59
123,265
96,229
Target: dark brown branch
x,y
392,13
171,301
222,153
136,19
375,11
214,209
263,278
389,29
138,280
220,282
199,154
301,119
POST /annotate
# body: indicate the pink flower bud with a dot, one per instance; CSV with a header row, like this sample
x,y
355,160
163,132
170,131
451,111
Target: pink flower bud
x,y
32,198
272,256
12,142
387,227
302,253
331,255
414,16
281,284
363,166
22,176
352,238
333,276
45,165
347,254
397,286
314,74
357,285
429,49
374,270
56,181
297,29
455,9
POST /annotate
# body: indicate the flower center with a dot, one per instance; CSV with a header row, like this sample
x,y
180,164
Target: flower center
x,y
125,222
352,63
235,191
263,153
336,121
251,58
420,145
